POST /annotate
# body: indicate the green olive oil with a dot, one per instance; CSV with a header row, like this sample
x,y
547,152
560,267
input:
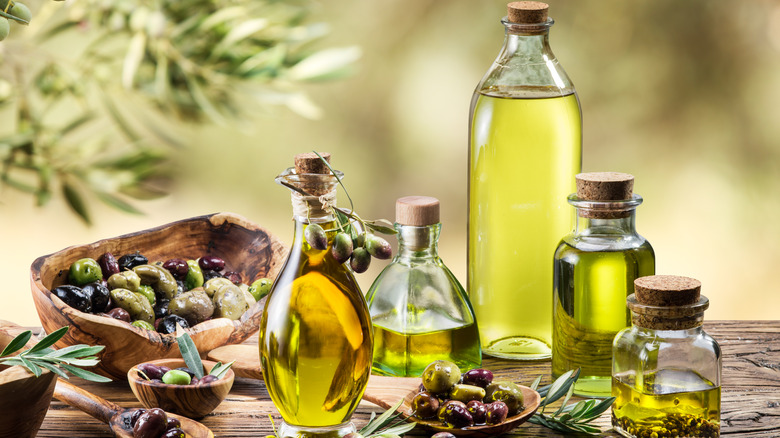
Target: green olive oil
x,y
591,286
668,403
525,150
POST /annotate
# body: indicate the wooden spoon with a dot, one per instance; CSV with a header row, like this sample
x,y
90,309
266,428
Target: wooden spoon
x,y
384,392
117,418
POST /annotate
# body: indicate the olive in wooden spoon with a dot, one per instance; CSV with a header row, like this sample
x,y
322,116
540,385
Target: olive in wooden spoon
x,y
117,418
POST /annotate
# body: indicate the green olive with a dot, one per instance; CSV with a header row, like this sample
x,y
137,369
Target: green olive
x,y
194,306
194,276
260,288
148,292
440,376
124,280
142,324
507,392
176,377
467,393
159,279
5,28
136,304
84,271
229,302
20,10
212,286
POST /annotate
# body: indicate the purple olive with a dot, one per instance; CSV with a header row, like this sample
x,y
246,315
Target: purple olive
x,y
443,435
458,416
151,371
177,267
134,416
174,433
234,277
108,264
478,377
208,379
173,423
478,411
212,263
194,381
151,424
496,412
446,405
378,247
425,405
119,313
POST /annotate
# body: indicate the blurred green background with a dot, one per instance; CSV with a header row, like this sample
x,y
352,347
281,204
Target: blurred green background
x,y
681,94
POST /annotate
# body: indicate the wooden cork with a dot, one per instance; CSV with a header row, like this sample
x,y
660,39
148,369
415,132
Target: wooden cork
x,y
527,12
417,211
604,186
667,290
309,162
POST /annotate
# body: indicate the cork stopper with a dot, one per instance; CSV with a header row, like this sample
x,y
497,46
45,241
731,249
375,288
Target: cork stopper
x,y
309,162
667,290
417,211
527,12
667,302
605,186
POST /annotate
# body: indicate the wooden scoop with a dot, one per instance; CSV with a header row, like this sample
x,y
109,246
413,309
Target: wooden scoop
x,y
384,392
117,418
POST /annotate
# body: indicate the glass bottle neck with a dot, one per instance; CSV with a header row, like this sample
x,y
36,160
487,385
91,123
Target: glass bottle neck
x,y
313,209
585,225
418,242
526,48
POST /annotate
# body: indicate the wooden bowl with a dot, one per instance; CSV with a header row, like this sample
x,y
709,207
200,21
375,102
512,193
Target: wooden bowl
x,y
246,248
193,401
24,398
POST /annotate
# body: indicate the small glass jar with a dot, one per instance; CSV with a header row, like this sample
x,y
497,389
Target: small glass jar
x,y
666,370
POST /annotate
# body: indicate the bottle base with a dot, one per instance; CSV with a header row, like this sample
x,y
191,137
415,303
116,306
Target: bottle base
x,y
336,431
518,348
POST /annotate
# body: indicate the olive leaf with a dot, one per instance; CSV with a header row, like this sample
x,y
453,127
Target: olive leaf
x,y
189,352
390,422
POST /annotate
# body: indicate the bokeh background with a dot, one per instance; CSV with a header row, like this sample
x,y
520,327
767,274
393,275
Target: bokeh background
x,y
681,94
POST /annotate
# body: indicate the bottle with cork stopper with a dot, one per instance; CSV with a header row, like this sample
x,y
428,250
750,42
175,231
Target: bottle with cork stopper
x,y
525,146
419,310
315,333
666,369
594,268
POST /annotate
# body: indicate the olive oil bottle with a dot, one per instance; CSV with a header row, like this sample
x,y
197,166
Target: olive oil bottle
x,y
419,310
315,333
594,271
525,148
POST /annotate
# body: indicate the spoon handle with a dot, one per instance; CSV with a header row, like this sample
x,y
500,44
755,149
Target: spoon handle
x,y
85,401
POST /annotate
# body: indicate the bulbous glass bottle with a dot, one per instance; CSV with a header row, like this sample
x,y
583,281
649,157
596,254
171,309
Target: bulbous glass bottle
x,y
315,334
525,146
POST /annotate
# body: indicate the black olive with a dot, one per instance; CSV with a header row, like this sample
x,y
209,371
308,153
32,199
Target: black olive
x,y
74,297
161,308
168,324
209,274
130,261
99,295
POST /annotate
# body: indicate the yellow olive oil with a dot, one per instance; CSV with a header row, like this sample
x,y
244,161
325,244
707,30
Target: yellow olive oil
x,y
407,354
525,149
590,293
316,339
667,404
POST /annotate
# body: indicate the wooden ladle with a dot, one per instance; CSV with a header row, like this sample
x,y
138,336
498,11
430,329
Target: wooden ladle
x,y
384,392
117,417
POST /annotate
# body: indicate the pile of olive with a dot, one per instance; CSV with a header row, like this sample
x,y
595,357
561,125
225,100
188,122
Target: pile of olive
x,y
358,251
155,423
159,296
470,399
178,376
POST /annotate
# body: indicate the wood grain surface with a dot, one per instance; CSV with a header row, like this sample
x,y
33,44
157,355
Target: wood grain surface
x,y
750,394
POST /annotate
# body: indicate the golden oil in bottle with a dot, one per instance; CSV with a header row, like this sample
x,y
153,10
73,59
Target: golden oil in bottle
x,y
669,403
525,151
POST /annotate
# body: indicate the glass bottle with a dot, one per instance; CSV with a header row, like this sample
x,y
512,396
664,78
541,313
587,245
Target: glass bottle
x,y
525,146
419,310
594,271
315,333
665,369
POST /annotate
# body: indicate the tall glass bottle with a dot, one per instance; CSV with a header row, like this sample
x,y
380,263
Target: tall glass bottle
x,y
419,310
594,271
315,333
525,148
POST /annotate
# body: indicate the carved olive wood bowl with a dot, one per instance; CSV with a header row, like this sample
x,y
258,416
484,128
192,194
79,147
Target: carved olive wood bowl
x,y
24,398
194,401
246,248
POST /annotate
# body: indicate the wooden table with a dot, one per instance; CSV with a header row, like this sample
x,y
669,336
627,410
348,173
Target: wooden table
x,y
750,394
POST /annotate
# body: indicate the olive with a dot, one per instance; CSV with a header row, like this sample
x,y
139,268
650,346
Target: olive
x,y
99,296
176,377
143,325
496,412
130,261
213,285
478,377
208,379
457,416
158,278
506,392
21,11
151,370
209,274
234,277
151,424
161,308
177,267
108,265
148,292
316,237
229,302
176,432
211,263
446,405
378,247
466,393
173,423
186,370
168,324
74,297
440,376
120,314
443,435
124,280
478,411
342,247
194,306
5,28
260,288
134,416
84,271
194,381
194,277
360,260
136,305
425,405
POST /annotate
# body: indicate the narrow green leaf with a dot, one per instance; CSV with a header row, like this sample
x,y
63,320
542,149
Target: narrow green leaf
x,y
536,382
84,374
133,58
75,124
54,369
599,409
221,369
558,388
400,429
119,119
30,366
13,17
49,340
17,343
80,350
373,225
578,409
118,203
189,352
76,202
78,362
381,420
565,400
